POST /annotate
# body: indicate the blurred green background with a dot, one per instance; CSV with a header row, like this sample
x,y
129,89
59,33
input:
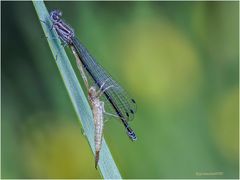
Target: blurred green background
x,y
178,60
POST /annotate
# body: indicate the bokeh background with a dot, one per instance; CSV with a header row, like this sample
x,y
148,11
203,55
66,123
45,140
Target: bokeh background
x,y
178,60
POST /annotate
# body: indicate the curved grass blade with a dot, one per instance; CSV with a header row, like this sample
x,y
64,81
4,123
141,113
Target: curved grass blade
x,y
107,165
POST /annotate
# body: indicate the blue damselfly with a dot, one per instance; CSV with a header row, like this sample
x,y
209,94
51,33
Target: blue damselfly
x,y
123,105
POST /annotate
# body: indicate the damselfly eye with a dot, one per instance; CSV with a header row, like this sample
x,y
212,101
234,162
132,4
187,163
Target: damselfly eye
x,y
58,14
55,15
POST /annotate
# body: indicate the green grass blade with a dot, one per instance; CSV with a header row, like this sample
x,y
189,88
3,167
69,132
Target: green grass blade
x,y
107,165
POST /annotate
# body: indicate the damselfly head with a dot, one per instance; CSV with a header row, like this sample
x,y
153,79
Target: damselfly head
x,y
55,15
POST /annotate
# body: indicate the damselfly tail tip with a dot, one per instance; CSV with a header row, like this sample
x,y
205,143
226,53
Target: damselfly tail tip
x,y
132,136
96,159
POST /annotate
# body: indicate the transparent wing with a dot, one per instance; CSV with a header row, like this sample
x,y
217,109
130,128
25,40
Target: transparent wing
x,y
120,102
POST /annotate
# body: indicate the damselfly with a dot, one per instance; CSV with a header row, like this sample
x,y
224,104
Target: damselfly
x,y
123,106
98,110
